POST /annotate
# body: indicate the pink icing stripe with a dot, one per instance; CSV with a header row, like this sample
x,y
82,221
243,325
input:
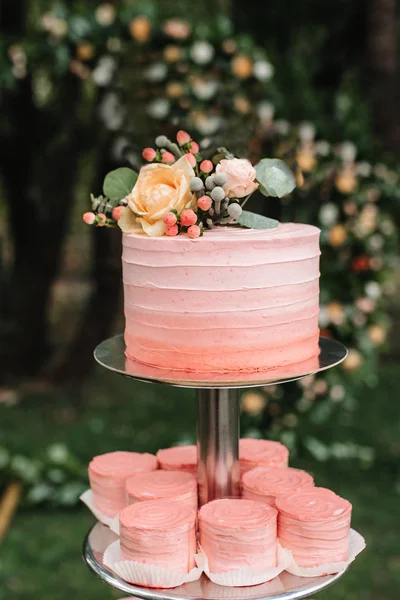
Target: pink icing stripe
x,y
256,291
178,458
159,532
174,485
107,476
314,524
237,534
265,483
261,453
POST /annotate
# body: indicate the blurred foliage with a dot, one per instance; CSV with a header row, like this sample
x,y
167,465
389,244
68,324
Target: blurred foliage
x,y
297,92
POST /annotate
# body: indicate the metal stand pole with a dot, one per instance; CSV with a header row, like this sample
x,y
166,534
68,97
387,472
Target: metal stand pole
x,y
217,444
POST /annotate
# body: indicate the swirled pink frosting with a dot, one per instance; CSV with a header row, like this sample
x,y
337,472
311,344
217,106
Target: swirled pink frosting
x,y
234,300
159,532
178,458
236,533
171,485
261,453
108,474
265,483
314,524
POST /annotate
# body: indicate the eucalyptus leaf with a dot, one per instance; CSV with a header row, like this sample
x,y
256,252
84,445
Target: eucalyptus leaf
x,y
275,177
254,221
119,183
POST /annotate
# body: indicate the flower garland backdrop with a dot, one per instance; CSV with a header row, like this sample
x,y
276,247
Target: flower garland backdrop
x,y
149,72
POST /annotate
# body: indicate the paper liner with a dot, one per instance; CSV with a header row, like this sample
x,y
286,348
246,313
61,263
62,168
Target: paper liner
x,y
111,522
143,574
246,576
356,545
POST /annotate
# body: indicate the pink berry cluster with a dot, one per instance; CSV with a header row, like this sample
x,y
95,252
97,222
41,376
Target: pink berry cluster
x,y
98,216
186,221
168,152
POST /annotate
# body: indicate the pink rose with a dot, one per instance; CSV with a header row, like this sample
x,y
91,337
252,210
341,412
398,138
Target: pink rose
x,y
240,176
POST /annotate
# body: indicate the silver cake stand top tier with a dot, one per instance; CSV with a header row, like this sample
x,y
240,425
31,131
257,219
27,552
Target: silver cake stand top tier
x,y
111,355
284,587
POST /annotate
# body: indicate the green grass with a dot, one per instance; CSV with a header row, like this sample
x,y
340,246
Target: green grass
x,y
40,557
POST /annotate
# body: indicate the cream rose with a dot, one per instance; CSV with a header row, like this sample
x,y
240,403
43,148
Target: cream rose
x,y
240,176
159,189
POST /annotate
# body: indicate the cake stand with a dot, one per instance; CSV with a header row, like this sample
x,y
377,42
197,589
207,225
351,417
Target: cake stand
x,y
218,411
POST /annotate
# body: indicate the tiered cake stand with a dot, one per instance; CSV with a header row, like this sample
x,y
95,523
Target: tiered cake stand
x,y
218,474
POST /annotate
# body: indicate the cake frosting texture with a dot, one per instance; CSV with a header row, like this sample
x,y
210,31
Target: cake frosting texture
x,y
314,524
108,474
178,458
261,453
236,534
264,484
232,300
159,532
167,485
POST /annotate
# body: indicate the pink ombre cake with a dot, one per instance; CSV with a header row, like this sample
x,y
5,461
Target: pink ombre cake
x,y
314,524
108,474
158,485
264,484
261,453
159,532
236,534
178,458
233,300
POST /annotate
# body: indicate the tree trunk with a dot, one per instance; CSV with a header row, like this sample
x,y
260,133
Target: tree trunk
x,y
103,305
382,68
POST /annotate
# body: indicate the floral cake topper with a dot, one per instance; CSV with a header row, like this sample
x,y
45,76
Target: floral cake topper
x,y
180,191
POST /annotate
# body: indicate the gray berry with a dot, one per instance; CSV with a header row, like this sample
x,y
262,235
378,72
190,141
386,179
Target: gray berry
x,y
161,141
218,194
196,184
234,210
210,185
220,179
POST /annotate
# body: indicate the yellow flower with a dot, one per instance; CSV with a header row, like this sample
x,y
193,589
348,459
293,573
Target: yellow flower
x,y
159,189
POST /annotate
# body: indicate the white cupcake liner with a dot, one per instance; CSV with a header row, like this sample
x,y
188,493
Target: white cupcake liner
x,y
246,576
356,545
144,574
111,522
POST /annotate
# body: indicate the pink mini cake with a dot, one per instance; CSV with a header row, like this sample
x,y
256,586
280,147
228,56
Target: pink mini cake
x,y
108,474
234,300
178,458
159,532
261,453
236,534
264,484
158,485
314,524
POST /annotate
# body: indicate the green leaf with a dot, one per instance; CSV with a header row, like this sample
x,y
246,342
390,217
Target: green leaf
x,y
275,177
254,221
119,183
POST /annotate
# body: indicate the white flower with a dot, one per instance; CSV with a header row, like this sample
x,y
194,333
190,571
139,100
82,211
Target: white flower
x,y
156,72
324,319
58,453
105,14
204,90
159,108
364,169
202,53
208,125
328,214
347,151
373,290
387,227
322,148
282,127
263,70
111,112
337,393
376,242
306,132
103,72
265,110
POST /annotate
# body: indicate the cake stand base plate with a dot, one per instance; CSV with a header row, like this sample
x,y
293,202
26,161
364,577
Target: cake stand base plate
x,y
284,587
